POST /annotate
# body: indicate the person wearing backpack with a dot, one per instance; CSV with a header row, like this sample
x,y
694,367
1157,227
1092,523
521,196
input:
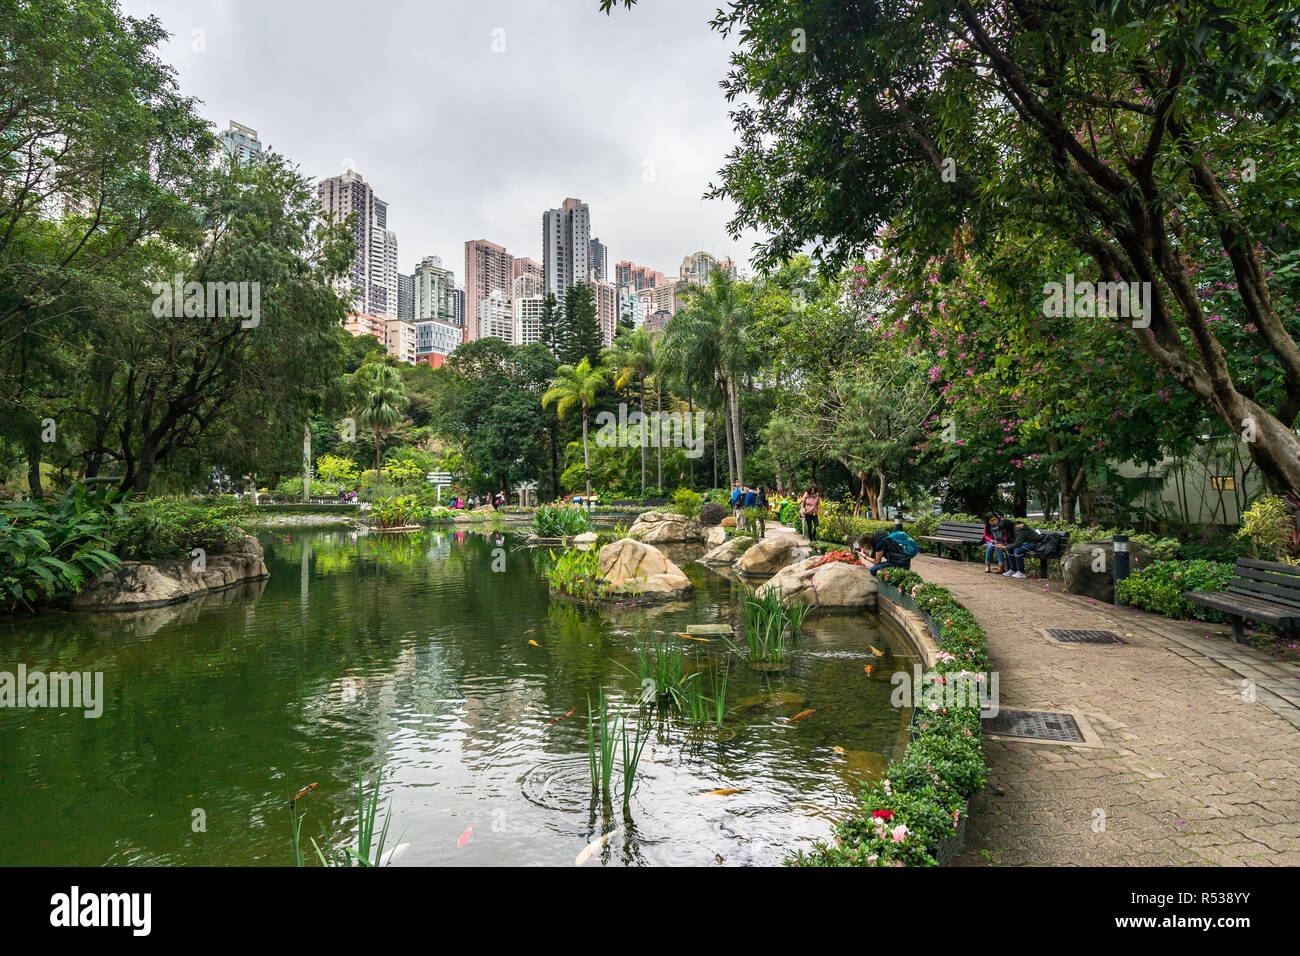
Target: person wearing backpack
x,y
889,549
1024,541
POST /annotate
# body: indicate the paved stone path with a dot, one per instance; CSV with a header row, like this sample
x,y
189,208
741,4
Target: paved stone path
x,y
1191,771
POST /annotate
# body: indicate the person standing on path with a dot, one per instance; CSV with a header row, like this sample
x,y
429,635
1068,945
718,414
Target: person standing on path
x,y
762,506
809,507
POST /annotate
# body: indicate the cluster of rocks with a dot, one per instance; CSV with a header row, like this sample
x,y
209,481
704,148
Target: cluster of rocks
x,y
638,570
135,585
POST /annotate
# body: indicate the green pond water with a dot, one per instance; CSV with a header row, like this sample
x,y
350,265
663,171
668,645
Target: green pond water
x,y
413,651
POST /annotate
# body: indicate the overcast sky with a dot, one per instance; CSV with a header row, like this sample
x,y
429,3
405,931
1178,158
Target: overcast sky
x,y
464,142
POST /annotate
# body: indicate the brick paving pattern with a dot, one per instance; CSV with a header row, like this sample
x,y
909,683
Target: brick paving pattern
x,y
1200,763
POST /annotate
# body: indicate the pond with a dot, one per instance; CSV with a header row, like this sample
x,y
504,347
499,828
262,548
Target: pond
x,y
440,656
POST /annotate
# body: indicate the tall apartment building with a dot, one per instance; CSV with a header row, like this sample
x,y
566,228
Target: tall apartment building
x,y
528,318
372,280
566,249
525,266
358,323
458,309
636,277
488,268
665,297
399,339
605,296
240,142
597,257
697,267
496,317
527,285
434,288
406,297
630,305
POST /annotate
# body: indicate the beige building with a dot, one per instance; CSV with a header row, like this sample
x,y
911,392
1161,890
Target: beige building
x,y
488,269
496,317
697,267
528,318
605,296
399,340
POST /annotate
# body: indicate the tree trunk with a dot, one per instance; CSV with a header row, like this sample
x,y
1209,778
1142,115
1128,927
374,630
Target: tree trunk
x,y
731,448
738,433
379,463
641,401
33,453
690,429
586,455
306,461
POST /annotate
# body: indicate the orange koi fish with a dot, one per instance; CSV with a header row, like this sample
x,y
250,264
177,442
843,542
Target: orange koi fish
x,y
802,715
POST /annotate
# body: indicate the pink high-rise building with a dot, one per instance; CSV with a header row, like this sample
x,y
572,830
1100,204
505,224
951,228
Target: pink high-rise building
x,y
488,268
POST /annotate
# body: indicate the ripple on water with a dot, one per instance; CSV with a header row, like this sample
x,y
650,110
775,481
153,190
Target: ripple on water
x,y
558,783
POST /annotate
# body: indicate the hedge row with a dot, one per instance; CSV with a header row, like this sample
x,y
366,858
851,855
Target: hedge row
x,y
911,812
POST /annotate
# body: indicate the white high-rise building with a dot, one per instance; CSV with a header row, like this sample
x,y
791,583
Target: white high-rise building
x,y
496,317
434,291
566,246
528,319
240,142
372,280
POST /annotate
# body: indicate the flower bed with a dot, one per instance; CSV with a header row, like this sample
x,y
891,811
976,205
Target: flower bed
x,y
843,557
916,814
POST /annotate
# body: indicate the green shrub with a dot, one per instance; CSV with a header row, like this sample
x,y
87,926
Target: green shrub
x,y
925,791
173,527
1271,527
1160,585
49,550
686,502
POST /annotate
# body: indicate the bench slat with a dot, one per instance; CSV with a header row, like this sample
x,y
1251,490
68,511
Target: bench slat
x,y
1287,569
1270,592
1283,581
1244,607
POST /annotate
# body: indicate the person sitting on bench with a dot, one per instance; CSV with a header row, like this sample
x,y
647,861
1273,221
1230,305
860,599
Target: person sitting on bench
x,y
1024,541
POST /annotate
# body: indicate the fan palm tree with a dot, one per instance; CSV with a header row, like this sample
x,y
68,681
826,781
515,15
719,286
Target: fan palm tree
x,y
632,356
380,395
577,385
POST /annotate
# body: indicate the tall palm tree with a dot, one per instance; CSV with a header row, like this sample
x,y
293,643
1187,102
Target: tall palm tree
x,y
577,386
632,356
709,341
380,395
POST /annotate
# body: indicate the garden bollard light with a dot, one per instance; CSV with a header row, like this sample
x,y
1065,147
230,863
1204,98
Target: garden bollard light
x,y
1120,551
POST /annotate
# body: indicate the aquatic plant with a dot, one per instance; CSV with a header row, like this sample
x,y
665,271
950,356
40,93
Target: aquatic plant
x,y
560,521
767,620
631,758
370,847
659,666
576,574
601,738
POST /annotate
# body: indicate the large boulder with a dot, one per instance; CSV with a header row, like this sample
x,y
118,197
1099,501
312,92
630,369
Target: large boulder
x,y
134,585
715,536
636,569
832,586
665,527
1089,567
768,556
722,555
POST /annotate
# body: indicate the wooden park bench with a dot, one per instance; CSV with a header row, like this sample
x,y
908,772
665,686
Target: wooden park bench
x,y
1259,591
958,535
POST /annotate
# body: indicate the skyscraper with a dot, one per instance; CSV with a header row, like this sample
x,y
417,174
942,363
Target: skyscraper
x,y
434,285
488,268
597,256
240,142
636,277
372,280
406,297
696,268
566,250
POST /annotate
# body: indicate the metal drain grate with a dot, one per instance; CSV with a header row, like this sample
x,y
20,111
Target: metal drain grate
x,y
1083,637
1035,725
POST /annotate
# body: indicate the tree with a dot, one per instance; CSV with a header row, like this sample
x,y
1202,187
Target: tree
x,y
1158,139
580,335
577,385
711,333
380,395
551,321
632,355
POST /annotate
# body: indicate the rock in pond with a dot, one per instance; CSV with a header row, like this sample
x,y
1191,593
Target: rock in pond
x,y
636,569
137,584
665,527
833,585
767,557
722,555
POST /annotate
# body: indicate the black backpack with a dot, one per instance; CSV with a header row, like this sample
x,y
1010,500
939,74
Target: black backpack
x,y
1049,545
